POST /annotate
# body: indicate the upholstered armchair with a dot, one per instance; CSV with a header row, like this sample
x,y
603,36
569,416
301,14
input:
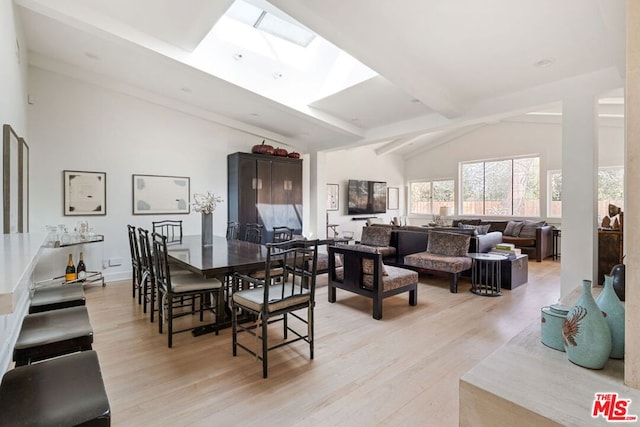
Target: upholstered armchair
x,y
380,238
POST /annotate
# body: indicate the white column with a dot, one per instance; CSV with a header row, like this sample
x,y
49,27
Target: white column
x,y
315,226
579,192
632,199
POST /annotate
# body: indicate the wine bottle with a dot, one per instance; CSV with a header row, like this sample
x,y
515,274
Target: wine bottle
x,y
81,269
70,272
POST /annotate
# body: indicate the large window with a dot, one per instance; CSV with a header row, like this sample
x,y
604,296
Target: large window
x,y
426,197
506,187
610,191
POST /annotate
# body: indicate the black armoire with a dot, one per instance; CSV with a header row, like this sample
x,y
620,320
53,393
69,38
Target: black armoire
x,y
266,190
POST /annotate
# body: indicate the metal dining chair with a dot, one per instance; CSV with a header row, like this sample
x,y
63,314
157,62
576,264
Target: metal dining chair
x,y
270,301
171,228
253,233
136,272
171,288
232,230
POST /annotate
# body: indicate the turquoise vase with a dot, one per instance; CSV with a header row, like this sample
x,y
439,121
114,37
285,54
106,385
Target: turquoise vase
x,y
613,311
585,332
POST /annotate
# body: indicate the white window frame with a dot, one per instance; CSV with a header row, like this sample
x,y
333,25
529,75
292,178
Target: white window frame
x,y
431,182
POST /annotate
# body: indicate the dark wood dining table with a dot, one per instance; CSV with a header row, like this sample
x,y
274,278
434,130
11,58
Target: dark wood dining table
x,y
222,258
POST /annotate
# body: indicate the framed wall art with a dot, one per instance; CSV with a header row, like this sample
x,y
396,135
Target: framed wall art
x,y
85,193
333,196
157,195
393,195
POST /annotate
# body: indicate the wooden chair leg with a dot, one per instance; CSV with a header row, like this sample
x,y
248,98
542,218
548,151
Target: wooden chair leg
x,y
332,294
265,346
377,308
453,286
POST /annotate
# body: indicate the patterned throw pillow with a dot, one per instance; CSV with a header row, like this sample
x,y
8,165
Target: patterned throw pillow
x,y
513,228
529,228
376,236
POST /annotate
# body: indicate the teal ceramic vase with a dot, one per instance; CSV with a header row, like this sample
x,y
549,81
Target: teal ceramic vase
x,y
613,311
585,332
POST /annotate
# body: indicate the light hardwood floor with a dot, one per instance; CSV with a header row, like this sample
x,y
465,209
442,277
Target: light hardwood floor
x,y
399,371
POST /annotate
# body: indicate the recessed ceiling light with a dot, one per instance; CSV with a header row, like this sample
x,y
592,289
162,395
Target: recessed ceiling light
x,y
277,75
185,89
237,56
544,63
415,101
92,55
254,114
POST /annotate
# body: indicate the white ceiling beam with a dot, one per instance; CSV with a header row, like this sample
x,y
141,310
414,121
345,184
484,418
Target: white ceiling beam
x,y
397,144
445,138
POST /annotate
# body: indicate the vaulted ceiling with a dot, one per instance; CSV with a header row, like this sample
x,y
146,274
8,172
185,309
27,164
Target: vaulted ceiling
x,y
444,67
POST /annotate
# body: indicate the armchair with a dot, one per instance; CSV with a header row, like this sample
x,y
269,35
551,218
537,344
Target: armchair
x,y
363,273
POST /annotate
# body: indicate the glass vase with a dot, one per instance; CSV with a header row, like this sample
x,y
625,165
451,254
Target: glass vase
x,y
613,311
585,332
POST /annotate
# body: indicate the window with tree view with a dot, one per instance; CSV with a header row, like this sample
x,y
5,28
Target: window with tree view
x,y
610,190
426,197
506,187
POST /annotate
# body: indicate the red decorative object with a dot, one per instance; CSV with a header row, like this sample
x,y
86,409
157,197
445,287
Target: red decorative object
x,y
262,149
281,152
294,155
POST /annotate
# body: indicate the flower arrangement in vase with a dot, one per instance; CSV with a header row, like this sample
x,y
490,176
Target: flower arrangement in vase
x,y
206,204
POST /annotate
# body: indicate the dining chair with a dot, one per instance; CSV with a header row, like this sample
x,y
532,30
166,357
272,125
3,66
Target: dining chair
x,y
282,234
136,272
148,283
253,233
270,302
171,288
171,228
232,230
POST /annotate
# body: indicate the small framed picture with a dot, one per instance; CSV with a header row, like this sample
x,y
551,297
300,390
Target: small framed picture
x,y
85,193
158,195
393,194
333,195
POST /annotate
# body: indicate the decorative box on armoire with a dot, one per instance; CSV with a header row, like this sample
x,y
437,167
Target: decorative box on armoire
x,y
266,190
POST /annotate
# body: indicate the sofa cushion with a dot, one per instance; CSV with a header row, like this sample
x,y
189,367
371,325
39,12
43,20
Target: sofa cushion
x,y
479,229
519,241
513,228
495,225
429,261
397,278
468,221
448,244
456,230
376,236
529,228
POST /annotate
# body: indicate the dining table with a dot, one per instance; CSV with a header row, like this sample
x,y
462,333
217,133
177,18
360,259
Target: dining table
x,y
219,260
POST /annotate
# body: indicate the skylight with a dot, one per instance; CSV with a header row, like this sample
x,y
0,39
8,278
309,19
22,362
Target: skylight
x,y
269,23
254,42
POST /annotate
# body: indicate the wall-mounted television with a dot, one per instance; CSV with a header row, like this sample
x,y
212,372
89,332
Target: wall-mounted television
x,y
366,197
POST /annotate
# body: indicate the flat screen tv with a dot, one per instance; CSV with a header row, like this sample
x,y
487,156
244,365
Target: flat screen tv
x,y
367,197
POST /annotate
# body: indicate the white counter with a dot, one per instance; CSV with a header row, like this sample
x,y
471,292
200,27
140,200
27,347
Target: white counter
x,y
18,257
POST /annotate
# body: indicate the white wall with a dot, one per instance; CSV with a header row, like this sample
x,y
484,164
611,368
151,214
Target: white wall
x,y
365,164
80,126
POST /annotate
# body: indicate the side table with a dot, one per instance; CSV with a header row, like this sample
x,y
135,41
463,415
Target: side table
x,y
486,274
